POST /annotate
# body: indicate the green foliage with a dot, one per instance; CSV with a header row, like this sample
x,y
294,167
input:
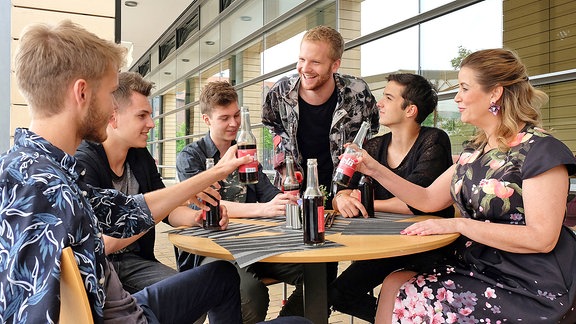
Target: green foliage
x,y
180,143
462,53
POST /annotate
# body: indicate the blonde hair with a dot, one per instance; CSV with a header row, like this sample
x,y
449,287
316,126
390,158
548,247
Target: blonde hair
x,y
50,58
520,101
329,36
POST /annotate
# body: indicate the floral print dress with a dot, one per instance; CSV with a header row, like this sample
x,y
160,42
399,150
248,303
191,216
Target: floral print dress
x,y
477,283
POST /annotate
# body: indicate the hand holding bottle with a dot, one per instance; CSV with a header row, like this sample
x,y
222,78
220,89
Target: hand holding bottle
x,y
348,204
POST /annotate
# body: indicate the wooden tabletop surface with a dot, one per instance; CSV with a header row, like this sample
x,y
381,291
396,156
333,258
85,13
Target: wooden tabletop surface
x,y
356,247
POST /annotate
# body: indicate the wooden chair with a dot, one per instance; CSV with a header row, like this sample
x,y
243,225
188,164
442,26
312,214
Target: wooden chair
x,y
74,306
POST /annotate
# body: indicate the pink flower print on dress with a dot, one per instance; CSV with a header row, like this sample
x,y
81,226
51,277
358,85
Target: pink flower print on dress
x,y
490,293
497,188
496,164
520,138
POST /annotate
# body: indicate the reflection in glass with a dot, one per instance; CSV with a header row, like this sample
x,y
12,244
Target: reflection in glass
x,y
241,23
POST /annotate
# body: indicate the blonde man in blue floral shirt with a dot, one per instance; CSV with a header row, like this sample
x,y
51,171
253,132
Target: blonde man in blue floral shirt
x,y
68,77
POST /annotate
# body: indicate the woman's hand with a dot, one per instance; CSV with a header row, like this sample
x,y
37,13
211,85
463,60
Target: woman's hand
x,y
434,226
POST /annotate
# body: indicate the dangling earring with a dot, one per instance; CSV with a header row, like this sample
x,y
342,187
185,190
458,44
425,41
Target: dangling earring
x,y
494,108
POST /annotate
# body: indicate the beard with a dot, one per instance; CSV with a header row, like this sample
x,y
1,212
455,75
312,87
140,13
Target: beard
x,y
93,126
317,83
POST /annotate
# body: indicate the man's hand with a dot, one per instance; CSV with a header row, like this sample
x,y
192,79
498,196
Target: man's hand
x,y
209,195
277,206
224,221
349,204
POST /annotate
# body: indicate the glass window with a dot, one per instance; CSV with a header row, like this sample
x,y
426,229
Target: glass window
x,y
188,59
241,23
440,45
397,52
210,45
276,8
209,10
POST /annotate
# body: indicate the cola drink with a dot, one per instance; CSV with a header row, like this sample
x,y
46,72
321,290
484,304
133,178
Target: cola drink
x,y
211,218
313,208
366,188
349,160
248,173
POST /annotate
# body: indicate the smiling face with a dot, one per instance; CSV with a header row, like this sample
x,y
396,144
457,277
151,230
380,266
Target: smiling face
x,y
101,108
315,65
472,100
132,121
224,123
390,106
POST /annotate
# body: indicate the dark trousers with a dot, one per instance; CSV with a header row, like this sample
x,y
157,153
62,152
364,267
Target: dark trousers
x,y
185,296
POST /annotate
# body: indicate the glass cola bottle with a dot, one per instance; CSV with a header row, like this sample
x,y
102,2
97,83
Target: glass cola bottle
x,y
211,218
366,188
292,186
313,207
349,160
248,173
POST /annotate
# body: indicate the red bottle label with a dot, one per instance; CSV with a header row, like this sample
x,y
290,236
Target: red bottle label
x,y
248,167
348,164
320,219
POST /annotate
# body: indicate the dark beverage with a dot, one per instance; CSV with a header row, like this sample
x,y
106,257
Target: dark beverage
x,y
313,208
366,187
211,218
349,160
248,173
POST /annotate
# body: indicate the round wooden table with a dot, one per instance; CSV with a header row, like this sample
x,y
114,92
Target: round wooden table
x,y
355,247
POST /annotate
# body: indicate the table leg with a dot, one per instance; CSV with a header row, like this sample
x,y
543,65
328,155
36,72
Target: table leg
x,y
315,293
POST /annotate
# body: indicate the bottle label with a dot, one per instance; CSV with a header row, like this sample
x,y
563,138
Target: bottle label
x,y
320,219
347,164
294,193
248,167
203,215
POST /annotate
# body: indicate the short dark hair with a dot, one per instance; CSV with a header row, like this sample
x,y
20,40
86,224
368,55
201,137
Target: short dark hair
x,y
417,91
216,93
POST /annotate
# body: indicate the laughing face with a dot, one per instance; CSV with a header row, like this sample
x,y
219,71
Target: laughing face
x,y
315,65
132,121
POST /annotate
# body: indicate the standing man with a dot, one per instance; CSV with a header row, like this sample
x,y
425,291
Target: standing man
x,y
318,110
221,113
68,77
418,154
122,162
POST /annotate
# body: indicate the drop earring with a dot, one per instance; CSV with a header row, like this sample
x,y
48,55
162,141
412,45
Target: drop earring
x,y
494,108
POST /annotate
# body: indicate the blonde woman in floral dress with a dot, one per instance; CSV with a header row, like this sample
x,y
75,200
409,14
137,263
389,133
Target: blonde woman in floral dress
x,y
514,260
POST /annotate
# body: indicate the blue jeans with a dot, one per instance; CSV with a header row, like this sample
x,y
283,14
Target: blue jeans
x,y
184,297
136,273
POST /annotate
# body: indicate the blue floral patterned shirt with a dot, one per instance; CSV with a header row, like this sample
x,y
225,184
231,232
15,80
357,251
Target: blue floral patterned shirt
x,y
44,207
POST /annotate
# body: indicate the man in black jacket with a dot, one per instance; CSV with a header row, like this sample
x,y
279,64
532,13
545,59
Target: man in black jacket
x,y
123,162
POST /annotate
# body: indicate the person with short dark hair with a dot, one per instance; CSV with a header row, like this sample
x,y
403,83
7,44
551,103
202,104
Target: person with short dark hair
x,y
414,152
123,162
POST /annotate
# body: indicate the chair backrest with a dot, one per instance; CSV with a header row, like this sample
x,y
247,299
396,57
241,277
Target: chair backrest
x,y
74,306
